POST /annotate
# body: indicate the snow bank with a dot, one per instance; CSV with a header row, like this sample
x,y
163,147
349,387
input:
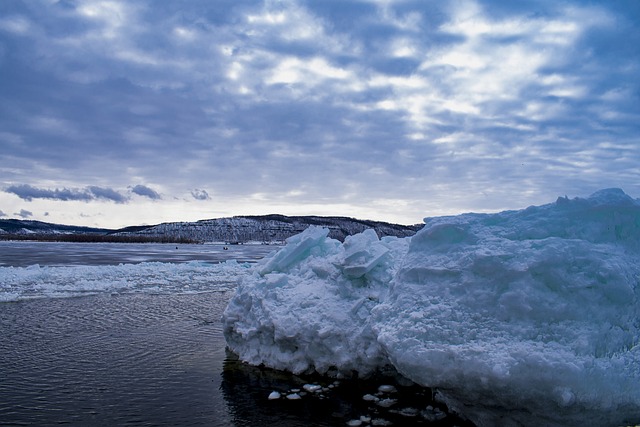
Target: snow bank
x,y
526,317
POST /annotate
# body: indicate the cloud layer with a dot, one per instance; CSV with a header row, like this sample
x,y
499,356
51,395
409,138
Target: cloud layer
x,y
87,194
389,110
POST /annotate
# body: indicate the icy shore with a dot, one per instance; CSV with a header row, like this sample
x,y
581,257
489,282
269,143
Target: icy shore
x,y
526,317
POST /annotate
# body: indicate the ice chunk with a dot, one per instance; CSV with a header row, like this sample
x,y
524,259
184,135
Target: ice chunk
x,y
312,388
307,305
274,395
385,388
297,248
362,253
385,403
408,412
528,317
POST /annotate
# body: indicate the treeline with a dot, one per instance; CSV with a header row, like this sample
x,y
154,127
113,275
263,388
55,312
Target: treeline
x,y
96,238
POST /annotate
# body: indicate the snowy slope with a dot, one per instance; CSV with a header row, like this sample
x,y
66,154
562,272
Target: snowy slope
x,y
269,228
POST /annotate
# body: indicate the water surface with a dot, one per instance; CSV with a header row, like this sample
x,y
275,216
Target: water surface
x,y
115,337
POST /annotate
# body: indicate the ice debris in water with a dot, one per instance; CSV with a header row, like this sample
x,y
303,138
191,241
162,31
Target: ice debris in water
x,y
379,405
521,317
380,422
274,395
432,414
312,388
387,402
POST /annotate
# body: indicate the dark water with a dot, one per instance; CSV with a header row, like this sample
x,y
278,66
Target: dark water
x,y
157,359
246,389
113,360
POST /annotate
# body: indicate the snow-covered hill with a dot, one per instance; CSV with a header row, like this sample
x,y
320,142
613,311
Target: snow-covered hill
x,y
267,228
28,227
237,229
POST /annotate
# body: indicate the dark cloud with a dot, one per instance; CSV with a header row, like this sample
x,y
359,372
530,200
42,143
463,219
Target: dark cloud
x,y
2,214
143,190
200,194
107,194
28,193
24,214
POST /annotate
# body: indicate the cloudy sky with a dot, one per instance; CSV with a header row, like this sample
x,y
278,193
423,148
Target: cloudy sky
x,y
119,112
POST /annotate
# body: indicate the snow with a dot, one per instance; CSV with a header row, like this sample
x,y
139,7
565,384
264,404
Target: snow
x,y
527,317
36,281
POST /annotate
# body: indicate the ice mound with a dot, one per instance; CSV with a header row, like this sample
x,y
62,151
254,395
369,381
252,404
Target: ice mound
x,y
309,306
526,317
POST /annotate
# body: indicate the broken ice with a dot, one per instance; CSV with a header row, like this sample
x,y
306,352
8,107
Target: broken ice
x,y
526,316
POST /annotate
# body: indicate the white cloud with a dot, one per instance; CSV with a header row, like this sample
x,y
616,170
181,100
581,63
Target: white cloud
x,y
286,20
15,24
308,72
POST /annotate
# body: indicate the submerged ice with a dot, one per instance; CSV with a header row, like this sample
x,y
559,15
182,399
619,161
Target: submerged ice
x,y
526,317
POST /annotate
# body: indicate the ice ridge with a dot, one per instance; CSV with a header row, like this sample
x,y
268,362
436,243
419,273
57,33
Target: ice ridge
x,y
527,317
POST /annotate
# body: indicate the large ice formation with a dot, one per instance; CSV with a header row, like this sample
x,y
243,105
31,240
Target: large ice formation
x,y
526,317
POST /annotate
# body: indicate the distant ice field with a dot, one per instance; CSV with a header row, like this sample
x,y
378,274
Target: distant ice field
x,y
31,270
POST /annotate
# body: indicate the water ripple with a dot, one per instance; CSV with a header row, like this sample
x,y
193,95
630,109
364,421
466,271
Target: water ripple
x,y
113,360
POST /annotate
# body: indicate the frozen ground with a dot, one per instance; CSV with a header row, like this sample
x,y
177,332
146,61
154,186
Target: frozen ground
x,y
525,317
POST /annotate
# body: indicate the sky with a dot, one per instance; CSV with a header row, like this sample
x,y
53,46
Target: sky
x,y
117,113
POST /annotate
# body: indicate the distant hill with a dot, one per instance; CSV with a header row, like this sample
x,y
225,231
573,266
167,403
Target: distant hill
x,y
25,227
237,229
267,228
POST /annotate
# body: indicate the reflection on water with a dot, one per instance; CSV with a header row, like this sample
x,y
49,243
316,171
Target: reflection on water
x,y
246,390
